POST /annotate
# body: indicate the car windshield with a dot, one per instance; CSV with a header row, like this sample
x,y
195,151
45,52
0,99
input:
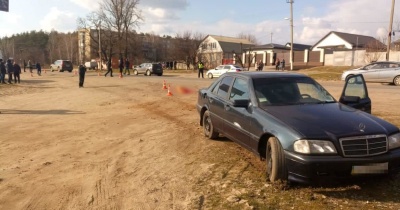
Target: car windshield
x,y
290,91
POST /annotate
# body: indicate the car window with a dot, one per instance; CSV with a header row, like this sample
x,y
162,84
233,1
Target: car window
x,y
240,90
219,67
373,66
290,91
355,87
394,65
227,67
223,87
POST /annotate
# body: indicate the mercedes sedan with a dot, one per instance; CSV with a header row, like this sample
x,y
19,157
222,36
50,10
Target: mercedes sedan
x,y
383,72
302,132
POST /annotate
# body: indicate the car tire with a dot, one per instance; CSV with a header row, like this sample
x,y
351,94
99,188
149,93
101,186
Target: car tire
x,y
148,73
210,76
275,161
396,81
135,72
208,127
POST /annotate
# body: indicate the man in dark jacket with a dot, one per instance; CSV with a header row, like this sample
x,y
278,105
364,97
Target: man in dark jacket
x,y
82,71
2,72
109,68
121,66
17,72
10,71
127,66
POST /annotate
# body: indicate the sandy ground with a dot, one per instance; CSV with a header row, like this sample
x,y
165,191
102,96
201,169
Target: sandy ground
x,y
115,144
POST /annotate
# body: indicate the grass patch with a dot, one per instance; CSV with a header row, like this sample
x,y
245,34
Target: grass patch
x,y
331,73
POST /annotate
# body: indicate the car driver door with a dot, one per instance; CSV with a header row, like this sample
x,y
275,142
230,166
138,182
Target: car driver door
x,y
355,94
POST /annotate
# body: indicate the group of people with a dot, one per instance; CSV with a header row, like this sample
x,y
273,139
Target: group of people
x,y
121,65
280,65
13,70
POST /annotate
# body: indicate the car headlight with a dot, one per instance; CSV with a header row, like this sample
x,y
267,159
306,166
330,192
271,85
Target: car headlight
x,y
314,147
394,141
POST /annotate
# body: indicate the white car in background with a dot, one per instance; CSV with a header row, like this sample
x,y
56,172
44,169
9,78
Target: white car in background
x,y
221,69
382,71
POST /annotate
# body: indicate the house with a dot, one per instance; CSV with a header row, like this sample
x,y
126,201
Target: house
x,y
396,45
344,41
216,50
269,53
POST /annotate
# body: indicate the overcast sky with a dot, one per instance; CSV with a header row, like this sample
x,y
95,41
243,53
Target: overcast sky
x,y
312,18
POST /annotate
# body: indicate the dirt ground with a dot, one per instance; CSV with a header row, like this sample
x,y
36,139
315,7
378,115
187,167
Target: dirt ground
x,y
122,144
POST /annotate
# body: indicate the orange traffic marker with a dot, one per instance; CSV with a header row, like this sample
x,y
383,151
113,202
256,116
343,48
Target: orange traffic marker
x,y
75,72
98,73
31,74
169,91
120,76
164,87
45,71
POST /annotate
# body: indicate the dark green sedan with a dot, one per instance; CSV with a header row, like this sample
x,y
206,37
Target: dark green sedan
x,y
298,128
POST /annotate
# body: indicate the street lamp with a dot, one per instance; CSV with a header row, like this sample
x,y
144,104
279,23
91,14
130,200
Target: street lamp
x,y
291,32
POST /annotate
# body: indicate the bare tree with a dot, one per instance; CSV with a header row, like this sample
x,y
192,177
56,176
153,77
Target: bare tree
x,y
374,50
189,44
249,37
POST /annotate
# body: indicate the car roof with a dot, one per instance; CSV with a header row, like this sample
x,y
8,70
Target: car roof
x,y
385,62
257,74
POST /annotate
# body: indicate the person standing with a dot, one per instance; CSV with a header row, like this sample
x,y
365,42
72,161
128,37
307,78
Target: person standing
x,y
201,69
17,72
2,72
30,66
277,63
10,71
82,72
283,64
109,68
127,66
121,66
39,69
260,66
24,65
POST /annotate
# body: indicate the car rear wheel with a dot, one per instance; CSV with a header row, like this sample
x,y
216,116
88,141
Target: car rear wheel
x,y
276,166
208,127
135,72
148,73
210,76
396,81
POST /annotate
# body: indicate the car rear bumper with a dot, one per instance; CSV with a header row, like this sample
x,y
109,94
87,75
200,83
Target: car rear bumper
x,y
310,169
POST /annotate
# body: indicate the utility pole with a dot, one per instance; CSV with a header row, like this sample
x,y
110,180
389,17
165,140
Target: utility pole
x,y
291,33
390,31
271,37
101,65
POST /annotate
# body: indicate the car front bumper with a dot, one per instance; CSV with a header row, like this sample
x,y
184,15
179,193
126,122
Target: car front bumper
x,y
308,169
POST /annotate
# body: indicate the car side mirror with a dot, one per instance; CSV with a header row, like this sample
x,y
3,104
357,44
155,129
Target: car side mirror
x,y
244,103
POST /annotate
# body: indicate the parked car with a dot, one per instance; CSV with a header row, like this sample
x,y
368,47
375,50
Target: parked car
x,y
302,132
384,72
61,65
221,69
91,64
148,69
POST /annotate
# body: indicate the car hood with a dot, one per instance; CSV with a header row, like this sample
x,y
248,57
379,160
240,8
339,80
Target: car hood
x,y
329,120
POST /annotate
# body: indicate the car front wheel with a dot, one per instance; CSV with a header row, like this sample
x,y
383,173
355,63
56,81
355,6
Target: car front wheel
x,y
210,76
208,127
135,72
148,73
276,166
396,81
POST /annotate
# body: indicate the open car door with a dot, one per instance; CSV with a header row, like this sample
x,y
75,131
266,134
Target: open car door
x,y
355,94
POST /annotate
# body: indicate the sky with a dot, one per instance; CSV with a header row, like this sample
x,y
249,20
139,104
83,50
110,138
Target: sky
x,y
267,20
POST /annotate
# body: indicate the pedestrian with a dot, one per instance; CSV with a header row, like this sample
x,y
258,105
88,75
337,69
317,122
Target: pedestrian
x,y
39,69
256,66
121,65
277,63
109,68
17,72
201,69
82,71
2,72
127,66
10,71
283,64
30,66
24,65
260,66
